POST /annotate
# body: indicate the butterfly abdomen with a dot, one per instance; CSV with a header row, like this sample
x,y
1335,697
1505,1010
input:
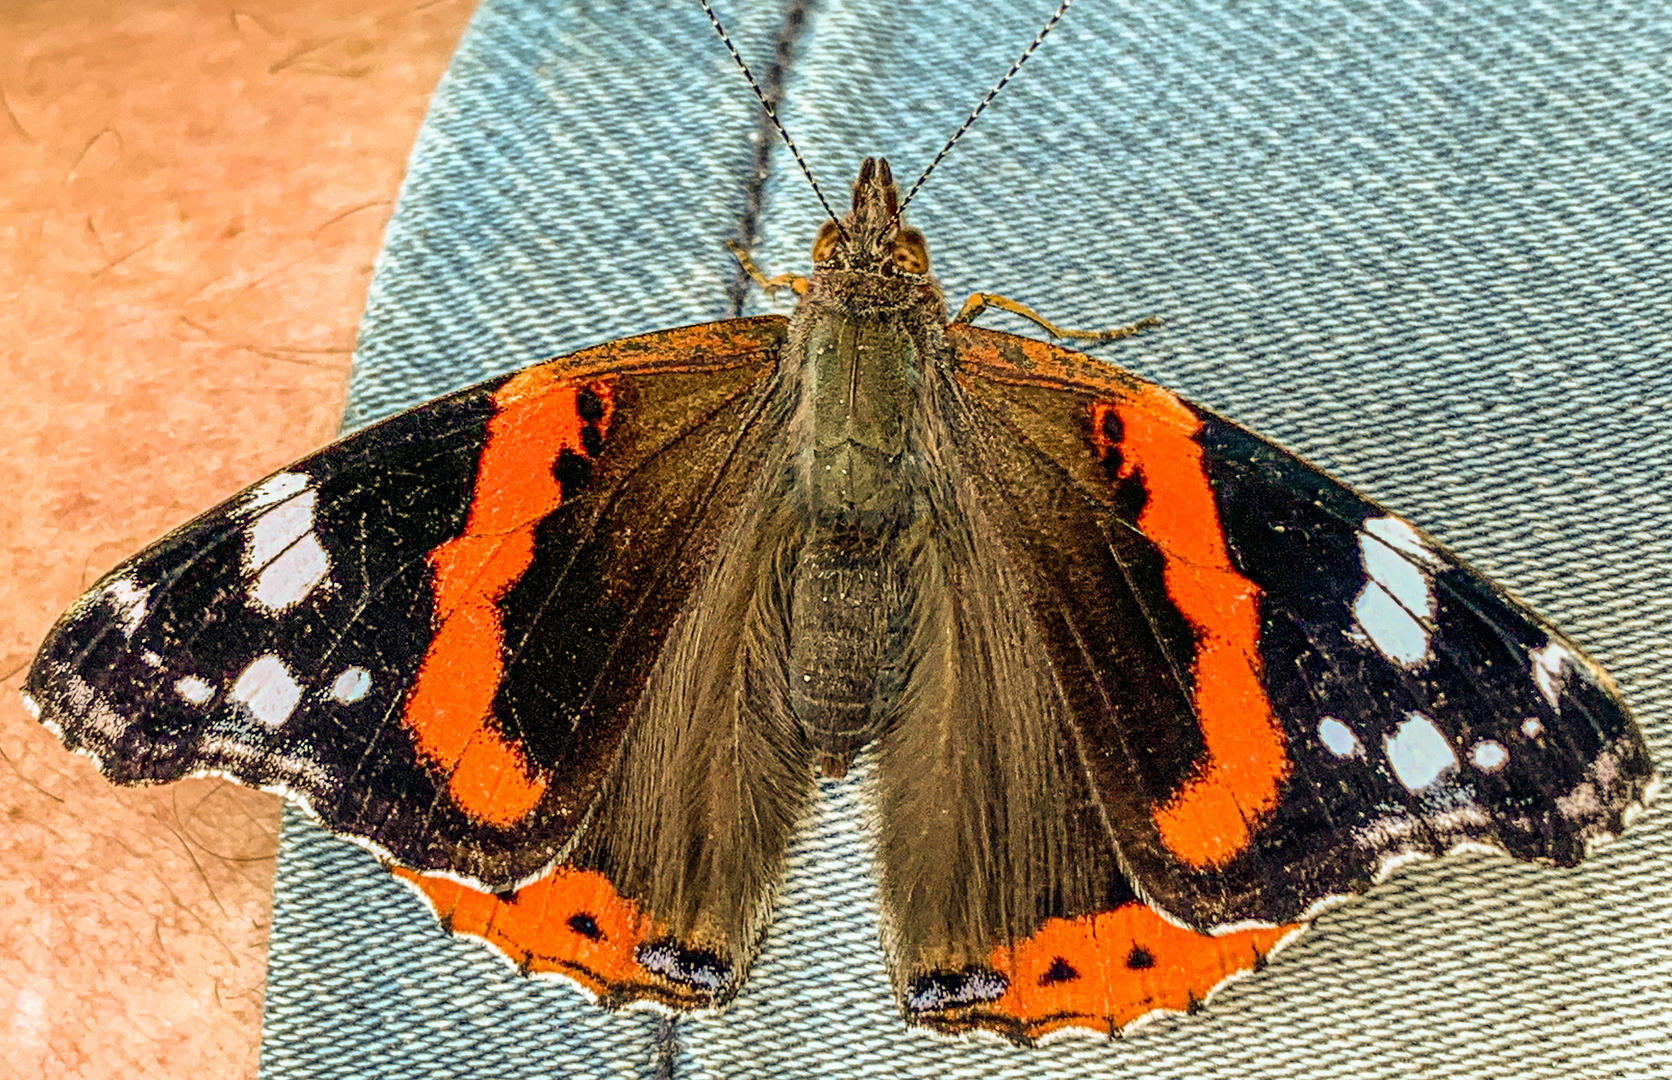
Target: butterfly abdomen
x,y
848,593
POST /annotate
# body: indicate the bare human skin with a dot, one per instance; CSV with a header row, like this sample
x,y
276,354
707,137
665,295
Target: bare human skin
x,y
191,199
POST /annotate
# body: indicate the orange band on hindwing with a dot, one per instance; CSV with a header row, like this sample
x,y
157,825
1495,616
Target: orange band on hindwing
x,y
449,711
570,922
1106,970
1209,819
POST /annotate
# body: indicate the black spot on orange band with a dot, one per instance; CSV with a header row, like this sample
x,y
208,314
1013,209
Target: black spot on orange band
x,y
586,926
573,923
1106,970
1060,971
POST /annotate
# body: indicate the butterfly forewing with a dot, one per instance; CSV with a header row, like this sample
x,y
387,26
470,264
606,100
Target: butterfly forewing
x,y
432,632
1301,687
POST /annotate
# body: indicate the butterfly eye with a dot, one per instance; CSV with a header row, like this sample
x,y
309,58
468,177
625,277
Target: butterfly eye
x,y
911,252
824,246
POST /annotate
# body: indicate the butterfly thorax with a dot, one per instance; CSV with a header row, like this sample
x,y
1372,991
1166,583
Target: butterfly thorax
x,y
867,329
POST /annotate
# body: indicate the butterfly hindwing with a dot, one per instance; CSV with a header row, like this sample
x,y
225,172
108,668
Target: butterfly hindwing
x,y
432,633
1317,690
1006,902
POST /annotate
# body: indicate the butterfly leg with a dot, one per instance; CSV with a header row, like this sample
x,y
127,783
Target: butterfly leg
x,y
794,282
979,302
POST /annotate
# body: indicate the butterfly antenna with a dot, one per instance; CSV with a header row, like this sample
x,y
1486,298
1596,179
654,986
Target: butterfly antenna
x,y
981,107
772,113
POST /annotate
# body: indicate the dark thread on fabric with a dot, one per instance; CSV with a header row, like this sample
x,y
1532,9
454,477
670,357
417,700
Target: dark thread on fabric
x,y
766,143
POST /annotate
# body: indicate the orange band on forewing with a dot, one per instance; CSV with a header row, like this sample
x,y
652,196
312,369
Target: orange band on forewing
x,y
1211,818
571,922
1106,970
450,707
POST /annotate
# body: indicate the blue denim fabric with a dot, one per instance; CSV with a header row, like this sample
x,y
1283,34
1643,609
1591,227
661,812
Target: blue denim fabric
x,y
1425,245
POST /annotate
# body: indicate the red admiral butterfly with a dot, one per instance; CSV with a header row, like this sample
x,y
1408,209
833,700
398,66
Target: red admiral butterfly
x,y
1145,692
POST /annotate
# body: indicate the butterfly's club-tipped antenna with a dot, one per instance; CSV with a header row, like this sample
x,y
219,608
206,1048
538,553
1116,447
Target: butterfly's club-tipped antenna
x,y
772,114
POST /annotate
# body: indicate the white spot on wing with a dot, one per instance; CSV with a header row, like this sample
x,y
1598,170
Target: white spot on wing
x,y
1547,670
194,689
1339,738
1400,536
280,548
293,575
275,489
268,690
130,602
351,685
1390,627
1584,803
28,1014
1531,727
31,706
277,529
1489,755
1397,595
1418,752
1590,801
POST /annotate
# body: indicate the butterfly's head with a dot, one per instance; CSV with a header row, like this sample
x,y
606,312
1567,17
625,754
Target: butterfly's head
x,y
871,238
